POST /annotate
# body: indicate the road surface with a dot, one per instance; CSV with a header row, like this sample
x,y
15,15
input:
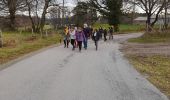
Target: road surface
x,y
61,74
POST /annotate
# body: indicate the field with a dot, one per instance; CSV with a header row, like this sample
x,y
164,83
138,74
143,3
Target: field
x,y
123,27
152,38
16,44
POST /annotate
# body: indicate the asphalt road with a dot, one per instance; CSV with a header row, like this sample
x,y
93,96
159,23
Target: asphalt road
x,y
61,74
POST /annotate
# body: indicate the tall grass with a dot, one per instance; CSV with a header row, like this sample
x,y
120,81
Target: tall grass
x,y
17,44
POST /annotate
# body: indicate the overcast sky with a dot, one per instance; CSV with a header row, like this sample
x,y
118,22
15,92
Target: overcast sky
x,y
70,3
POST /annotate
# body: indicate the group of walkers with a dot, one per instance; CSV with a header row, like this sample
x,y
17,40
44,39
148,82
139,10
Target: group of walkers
x,y
78,36
105,32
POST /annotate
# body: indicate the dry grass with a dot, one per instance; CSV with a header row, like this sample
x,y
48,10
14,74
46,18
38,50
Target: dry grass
x,y
151,58
157,69
16,45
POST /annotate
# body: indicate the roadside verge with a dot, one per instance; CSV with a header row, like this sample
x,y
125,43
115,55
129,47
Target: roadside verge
x,y
151,59
8,64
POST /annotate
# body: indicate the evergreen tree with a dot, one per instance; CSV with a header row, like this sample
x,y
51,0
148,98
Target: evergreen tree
x,y
84,14
110,9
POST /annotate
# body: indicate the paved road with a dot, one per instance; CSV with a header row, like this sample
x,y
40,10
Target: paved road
x,y
60,74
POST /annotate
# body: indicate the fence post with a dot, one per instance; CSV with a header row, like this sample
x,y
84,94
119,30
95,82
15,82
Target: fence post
x,y
1,39
20,32
46,33
32,32
20,36
41,33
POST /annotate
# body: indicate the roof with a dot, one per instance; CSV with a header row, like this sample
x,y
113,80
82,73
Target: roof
x,y
153,17
140,19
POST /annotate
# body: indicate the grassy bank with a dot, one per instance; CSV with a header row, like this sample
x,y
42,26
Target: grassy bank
x,y
152,38
16,44
156,68
123,27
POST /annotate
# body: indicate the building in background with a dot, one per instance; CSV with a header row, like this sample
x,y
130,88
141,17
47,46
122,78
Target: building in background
x,y
161,19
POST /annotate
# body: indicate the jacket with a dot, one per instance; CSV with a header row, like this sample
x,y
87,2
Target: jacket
x,y
73,35
96,36
80,36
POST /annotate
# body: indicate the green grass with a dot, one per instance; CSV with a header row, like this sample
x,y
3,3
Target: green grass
x,y
152,38
157,68
46,27
131,28
97,26
123,27
16,44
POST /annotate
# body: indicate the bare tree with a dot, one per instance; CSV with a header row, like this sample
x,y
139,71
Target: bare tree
x,y
11,7
43,16
151,8
37,10
55,14
166,12
32,6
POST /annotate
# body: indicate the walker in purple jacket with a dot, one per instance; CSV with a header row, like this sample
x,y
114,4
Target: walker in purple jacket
x,y
80,37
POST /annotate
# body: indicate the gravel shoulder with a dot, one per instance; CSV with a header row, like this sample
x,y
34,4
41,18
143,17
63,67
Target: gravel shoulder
x,y
152,60
147,49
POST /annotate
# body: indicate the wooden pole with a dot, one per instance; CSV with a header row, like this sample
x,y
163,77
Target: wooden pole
x,y
46,33
41,33
32,32
20,32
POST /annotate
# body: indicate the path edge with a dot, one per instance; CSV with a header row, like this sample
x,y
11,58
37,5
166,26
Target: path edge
x,y
8,64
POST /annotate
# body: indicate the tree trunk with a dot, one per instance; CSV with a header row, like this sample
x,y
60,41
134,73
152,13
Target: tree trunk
x,y
1,40
12,19
157,15
32,21
166,24
116,28
35,26
12,10
148,24
44,14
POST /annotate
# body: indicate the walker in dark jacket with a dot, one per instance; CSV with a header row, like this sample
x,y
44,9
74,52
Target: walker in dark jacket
x,y
96,37
86,33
